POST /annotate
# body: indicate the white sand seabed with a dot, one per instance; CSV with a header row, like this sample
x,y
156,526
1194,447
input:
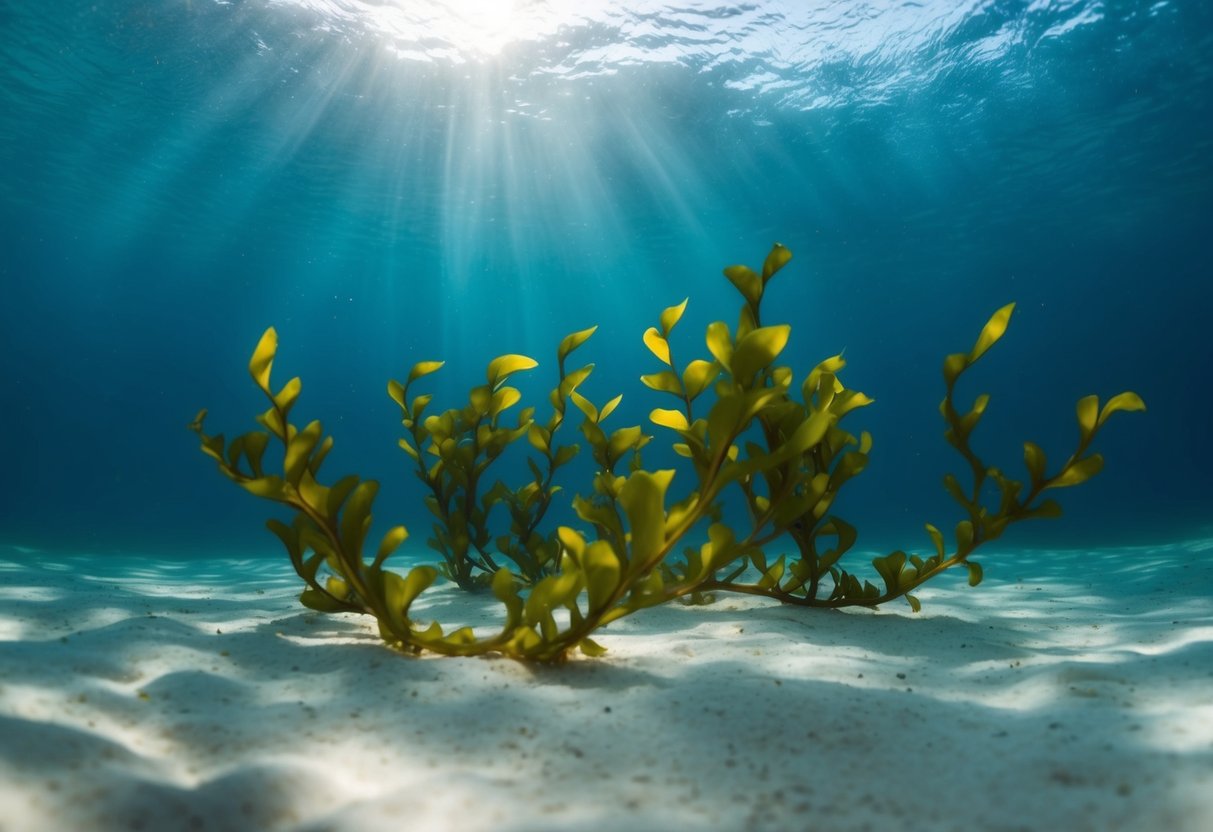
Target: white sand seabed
x,y
1071,691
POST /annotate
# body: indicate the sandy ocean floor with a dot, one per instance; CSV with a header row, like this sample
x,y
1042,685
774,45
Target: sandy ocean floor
x,y
1071,691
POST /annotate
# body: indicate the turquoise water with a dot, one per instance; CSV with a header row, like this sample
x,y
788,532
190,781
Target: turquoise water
x,y
450,181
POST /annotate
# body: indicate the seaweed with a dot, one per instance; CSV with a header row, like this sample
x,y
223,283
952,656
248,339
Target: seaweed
x,y
749,433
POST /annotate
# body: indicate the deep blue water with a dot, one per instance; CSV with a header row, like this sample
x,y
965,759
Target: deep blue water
x,y
387,186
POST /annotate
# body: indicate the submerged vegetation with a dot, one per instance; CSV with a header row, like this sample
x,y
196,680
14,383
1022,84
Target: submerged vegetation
x,y
751,430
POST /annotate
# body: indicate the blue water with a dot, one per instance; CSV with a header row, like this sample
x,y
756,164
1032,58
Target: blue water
x,y
386,186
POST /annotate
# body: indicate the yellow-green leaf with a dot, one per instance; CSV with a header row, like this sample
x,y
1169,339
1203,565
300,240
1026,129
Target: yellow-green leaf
x,y
399,593
420,403
774,574
643,500
573,380
719,342
566,454
263,359
674,419
1087,411
609,407
915,604
746,281
584,405
889,569
481,398
505,592
936,538
991,332
572,541
698,375
657,344
298,450
720,549
573,341
776,260
504,399
1079,472
391,541
809,433
625,438
757,350
396,391
1128,401
954,365
524,640
602,572
270,488
1034,459
975,573
665,382
964,536
356,517
339,492
670,316
970,419
591,648
424,368
505,365
337,587
1048,509
551,592
319,601
285,398
539,437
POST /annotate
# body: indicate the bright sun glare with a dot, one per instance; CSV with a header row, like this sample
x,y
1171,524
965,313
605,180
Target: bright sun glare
x,y
491,24
462,29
